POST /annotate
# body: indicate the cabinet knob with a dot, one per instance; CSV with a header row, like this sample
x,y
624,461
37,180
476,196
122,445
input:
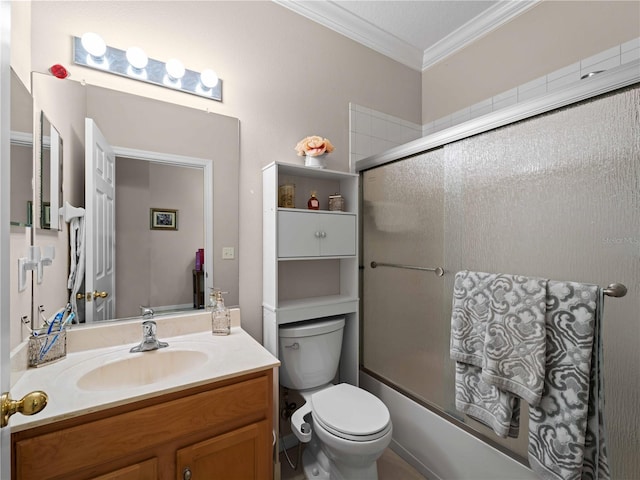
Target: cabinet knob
x,y
323,234
186,473
317,234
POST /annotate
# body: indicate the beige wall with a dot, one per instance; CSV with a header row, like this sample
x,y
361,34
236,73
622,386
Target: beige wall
x,y
285,77
549,36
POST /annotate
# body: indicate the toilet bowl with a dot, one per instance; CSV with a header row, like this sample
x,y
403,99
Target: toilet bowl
x,y
346,429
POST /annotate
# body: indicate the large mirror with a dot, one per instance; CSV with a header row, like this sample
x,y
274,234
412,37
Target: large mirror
x,y
174,162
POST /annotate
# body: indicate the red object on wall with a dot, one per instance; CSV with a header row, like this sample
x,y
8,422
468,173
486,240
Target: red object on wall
x,y
59,71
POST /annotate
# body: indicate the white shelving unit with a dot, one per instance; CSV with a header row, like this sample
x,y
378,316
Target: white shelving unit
x,y
310,257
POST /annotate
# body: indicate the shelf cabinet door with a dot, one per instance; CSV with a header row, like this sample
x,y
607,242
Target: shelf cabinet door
x,y
311,234
338,235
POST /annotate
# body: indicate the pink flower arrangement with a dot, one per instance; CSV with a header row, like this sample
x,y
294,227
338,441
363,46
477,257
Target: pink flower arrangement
x,y
313,146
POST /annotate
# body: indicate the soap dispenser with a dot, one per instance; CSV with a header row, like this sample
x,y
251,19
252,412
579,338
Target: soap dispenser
x,y
220,316
211,304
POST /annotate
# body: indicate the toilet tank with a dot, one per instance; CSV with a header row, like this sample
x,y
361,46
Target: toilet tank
x,y
309,352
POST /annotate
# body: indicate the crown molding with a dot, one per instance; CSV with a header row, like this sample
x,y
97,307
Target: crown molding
x,y
332,16
489,20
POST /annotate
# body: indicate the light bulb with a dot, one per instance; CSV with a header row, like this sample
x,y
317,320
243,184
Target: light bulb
x,y
175,69
94,44
209,78
137,58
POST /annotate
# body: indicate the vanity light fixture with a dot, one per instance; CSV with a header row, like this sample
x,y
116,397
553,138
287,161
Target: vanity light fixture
x,y
94,45
137,58
175,69
91,51
209,78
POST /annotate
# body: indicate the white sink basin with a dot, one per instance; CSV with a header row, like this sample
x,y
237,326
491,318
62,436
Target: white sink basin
x,y
132,370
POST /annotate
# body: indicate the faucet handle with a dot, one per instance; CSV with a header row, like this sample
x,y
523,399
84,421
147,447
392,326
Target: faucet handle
x,y
149,328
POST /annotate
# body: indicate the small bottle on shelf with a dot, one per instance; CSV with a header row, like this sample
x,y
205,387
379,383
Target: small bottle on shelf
x,y
313,203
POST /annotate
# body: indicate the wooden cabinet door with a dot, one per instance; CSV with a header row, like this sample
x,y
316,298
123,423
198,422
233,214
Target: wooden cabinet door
x,y
241,454
147,470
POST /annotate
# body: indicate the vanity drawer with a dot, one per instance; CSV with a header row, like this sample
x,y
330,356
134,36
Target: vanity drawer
x,y
93,447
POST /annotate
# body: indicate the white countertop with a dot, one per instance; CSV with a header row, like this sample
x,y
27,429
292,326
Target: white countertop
x,y
227,357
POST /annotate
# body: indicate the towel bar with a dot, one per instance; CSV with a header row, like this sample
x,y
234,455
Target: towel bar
x,y
439,271
617,290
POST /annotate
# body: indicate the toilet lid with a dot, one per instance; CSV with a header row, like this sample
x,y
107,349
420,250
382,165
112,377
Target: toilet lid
x,y
350,412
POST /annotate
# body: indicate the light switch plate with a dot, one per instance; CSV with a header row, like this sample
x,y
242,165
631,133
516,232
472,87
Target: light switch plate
x,y
228,253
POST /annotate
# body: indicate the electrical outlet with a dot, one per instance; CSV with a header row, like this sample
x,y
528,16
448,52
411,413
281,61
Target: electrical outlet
x,y
228,253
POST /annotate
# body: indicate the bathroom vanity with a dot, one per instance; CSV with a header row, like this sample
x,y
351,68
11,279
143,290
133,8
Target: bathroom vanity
x,y
209,415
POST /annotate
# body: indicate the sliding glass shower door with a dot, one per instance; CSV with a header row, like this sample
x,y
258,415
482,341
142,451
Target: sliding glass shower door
x,y
556,196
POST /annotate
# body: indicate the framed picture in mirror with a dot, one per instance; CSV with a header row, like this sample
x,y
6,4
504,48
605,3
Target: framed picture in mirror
x,y
164,219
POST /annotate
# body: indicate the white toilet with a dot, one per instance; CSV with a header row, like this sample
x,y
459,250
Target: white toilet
x,y
346,428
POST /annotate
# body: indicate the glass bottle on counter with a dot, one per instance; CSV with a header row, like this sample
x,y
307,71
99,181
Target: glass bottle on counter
x,y
313,203
211,304
220,316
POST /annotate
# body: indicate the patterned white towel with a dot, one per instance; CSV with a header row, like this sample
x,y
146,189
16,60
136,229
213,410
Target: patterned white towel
x,y
469,317
485,403
497,338
514,347
566,431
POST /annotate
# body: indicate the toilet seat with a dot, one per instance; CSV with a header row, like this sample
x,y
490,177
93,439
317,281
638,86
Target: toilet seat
x,y
351,413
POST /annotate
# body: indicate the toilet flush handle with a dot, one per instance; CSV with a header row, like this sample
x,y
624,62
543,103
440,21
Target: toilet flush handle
x,y
294,346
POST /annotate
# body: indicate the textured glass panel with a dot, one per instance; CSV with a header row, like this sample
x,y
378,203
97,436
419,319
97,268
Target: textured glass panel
x,y
556,196
402,223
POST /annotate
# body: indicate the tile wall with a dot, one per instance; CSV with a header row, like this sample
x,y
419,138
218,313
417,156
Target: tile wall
x,y
374,132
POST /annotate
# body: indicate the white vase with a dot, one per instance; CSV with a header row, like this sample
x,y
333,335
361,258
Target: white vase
x,y
315,162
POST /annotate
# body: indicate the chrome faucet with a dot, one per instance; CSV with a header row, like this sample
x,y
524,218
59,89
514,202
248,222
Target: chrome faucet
x,y
149,340
147,312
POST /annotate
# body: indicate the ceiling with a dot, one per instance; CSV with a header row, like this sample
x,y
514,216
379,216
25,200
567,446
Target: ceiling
x,y
415,33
